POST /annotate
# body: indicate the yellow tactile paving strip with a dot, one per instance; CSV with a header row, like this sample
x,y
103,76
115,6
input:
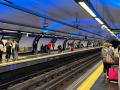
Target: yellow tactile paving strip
x,y
89,82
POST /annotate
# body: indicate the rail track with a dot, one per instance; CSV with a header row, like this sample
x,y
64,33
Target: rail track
x,y
56,77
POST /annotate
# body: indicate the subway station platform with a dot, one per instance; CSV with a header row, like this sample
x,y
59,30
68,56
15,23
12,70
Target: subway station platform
x,y
18,69
84,26
89,79
35,59
95,81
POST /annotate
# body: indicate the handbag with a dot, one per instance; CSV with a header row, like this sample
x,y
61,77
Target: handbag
x,y
109,59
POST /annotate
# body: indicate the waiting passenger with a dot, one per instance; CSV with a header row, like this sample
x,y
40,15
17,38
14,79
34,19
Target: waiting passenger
x,y
15,49
46,48
42,48
107,59
49,47
1,50
116,54
118,47
35,47
81,45
59,48
53,45
72,48
78,46
8,49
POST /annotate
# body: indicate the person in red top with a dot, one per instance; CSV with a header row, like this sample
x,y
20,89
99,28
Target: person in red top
x,y
49,47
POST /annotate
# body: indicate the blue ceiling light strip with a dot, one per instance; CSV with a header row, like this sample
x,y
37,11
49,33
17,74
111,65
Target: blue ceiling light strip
x,y
86,4
58,25
43,16
97,14
112,3
54,27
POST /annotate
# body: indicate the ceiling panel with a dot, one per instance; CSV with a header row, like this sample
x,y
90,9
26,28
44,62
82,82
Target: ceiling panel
x,y
109,10
62,13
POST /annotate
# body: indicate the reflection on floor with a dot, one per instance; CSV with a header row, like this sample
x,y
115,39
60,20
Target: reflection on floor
x,y
104,85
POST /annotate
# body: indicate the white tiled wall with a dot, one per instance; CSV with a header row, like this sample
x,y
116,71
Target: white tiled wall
x,y
26,41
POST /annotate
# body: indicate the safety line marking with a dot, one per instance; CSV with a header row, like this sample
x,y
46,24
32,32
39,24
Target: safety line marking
x,y
89,82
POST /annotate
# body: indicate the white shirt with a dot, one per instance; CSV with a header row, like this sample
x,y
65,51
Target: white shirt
x,y
13,45
1,47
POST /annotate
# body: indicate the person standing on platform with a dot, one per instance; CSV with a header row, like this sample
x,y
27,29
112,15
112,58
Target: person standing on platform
x,y
59,48
49,45
116,55
8,49
15,49
35,47
118,47
107,58
53,45
42,48
1,50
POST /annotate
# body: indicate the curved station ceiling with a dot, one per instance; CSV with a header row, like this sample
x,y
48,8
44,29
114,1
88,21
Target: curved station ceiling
x,y
60,17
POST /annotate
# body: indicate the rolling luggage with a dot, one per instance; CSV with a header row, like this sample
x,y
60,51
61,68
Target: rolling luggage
x,y
113,73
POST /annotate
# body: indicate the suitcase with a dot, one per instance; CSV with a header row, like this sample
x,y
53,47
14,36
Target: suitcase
x,y
113,74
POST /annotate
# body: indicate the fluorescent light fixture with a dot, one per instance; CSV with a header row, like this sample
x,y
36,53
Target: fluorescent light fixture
x,y
112,33
104,27
87,9
83,4
99,20
109,30
24,32
8,31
